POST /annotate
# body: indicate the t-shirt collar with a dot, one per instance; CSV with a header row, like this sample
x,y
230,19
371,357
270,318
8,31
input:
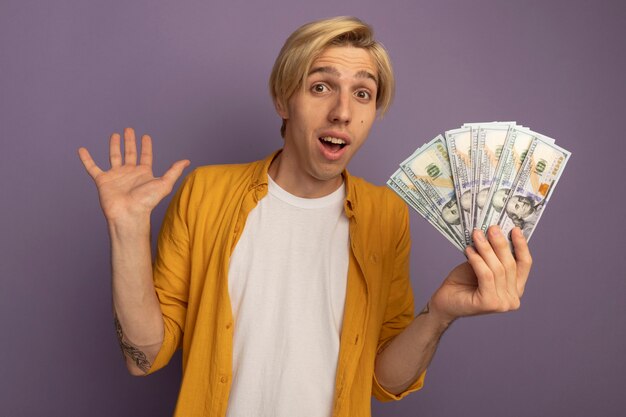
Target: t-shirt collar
x,y
260,179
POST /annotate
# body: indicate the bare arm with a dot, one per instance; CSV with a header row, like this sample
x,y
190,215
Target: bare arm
x,y
400,363
136,310
491,281
128,193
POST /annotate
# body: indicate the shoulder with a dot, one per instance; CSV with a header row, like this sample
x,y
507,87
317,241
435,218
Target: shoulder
x,y
231,175
216,182
223,173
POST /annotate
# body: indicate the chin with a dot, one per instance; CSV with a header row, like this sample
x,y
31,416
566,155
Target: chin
x,y
329,175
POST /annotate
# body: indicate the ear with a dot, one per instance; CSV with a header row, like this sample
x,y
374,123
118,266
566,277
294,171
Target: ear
x,y
281,109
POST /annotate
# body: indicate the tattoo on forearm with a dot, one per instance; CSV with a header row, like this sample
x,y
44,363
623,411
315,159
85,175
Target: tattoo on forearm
x,y
136,355
425,311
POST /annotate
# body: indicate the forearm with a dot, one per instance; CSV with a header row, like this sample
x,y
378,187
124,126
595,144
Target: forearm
x,y
406,357
138,319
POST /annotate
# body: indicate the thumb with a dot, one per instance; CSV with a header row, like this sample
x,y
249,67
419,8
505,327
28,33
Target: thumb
x,y
175,171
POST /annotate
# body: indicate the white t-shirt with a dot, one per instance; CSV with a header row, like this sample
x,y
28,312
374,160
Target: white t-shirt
x,y
287,285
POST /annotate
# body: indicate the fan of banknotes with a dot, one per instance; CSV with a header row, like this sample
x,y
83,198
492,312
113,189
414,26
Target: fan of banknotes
x,y
479,175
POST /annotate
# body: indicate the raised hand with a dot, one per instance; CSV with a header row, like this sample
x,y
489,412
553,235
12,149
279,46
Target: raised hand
x,y
492,280
129,190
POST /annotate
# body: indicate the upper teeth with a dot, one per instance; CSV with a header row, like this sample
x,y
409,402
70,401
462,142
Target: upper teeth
x,y
334,140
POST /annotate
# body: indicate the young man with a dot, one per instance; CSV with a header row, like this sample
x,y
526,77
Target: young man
x,y
285,281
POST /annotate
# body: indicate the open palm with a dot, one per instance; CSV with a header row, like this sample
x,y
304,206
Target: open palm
x,y
128,189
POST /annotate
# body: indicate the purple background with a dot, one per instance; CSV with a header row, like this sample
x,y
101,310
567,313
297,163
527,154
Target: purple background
x,y
193,74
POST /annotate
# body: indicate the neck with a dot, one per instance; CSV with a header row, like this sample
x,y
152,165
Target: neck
x,y
291,179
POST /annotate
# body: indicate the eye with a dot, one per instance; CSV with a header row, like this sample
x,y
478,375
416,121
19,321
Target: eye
x,y
363,94
319,88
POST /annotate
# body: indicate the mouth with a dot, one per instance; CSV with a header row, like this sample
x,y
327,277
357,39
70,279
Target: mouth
x,y
332,144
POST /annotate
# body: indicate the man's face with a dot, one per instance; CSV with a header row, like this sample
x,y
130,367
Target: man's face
x,y
466,201
519,206
481,198
329,120
499,198
450,213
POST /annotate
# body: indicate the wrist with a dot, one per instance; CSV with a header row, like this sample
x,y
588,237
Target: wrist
x,y
440,319
131,226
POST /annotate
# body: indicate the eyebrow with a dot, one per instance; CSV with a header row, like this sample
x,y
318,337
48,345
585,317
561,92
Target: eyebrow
x,y
334,71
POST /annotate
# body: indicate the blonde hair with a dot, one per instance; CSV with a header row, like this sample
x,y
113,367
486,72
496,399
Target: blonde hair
x,y
309,41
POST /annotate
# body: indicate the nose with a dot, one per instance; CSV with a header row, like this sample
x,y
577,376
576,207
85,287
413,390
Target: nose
x,y
341,112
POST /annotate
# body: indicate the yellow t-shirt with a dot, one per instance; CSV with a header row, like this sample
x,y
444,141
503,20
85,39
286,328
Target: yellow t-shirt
x,y
200,230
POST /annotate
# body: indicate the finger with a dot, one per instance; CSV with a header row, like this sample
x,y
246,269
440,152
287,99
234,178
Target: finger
x,y
175,172
146,151
501,247
88,163
130,147
523,258
484,276
484,248
115,155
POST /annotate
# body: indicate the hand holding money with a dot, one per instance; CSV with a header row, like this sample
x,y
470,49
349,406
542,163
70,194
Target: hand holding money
x,y
484,187
491,281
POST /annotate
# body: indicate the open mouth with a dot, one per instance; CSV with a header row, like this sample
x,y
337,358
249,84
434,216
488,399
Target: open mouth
x,y
332,144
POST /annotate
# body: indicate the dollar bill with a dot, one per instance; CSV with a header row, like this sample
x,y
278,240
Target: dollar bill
x,y
491,139
429,169
459,146
474,162
479,175
513,153
486,147
401,184
542,167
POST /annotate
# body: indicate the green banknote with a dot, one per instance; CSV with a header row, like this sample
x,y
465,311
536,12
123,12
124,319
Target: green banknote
x,y
543,165
400,183
479,175
513,153
459,146
491,140
429,169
